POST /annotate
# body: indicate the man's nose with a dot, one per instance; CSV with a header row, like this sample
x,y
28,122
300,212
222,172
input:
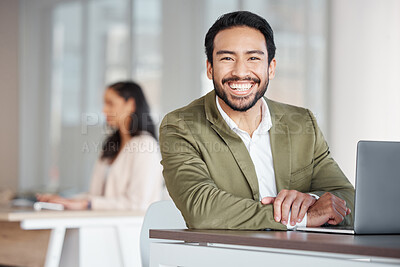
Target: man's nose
x,y
240,69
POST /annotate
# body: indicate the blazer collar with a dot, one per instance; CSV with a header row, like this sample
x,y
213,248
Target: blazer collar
x,y
233,141
214,117
280,145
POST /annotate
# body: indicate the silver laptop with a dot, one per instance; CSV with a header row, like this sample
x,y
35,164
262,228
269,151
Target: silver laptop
x,y
377,196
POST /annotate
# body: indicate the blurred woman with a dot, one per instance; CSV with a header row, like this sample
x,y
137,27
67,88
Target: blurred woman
x,y
128,174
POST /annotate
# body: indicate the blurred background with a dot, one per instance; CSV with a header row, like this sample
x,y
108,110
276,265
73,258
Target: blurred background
x,y
339,58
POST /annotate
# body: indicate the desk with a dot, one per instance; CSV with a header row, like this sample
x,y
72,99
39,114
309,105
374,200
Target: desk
x,y
277,248
69,238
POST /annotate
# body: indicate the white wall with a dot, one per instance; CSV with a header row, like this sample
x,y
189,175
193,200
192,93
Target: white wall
x,y
9,94
365,76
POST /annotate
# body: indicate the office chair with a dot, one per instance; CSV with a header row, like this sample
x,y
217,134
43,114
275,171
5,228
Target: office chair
x,y
160,215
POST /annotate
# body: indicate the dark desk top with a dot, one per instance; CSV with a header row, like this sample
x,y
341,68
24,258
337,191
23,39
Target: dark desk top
x,y
369,245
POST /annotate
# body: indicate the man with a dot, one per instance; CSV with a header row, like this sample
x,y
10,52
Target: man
x,y
236,160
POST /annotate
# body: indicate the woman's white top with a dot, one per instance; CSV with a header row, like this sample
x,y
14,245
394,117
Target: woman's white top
x,y
133,181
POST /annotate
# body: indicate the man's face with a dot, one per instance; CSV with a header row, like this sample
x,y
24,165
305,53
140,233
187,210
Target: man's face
x,y
240,70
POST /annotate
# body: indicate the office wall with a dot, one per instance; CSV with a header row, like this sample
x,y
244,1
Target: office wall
x,y
182,39
365,80
9,116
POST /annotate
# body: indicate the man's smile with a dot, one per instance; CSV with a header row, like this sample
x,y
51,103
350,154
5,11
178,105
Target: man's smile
x,y
240,87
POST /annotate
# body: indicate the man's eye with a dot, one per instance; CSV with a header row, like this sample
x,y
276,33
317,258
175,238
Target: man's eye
x,y
226,58
254,58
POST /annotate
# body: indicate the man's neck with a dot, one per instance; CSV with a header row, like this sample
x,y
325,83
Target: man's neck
x,y
248,120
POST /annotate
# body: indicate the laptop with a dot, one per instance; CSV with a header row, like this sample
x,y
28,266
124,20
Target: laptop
x,y
377,194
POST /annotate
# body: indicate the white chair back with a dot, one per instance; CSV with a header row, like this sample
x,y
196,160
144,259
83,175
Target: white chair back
x,y
160,215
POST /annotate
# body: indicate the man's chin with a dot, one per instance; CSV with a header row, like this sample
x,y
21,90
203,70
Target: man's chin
x,y
241,104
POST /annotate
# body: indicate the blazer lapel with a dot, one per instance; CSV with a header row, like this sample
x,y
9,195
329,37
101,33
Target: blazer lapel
x,y
233,141
280,146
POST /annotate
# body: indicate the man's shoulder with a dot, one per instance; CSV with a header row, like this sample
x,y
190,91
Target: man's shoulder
x,y
291,116
283,108
288,113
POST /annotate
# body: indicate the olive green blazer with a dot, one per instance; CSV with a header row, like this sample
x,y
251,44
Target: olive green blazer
x,y
212,180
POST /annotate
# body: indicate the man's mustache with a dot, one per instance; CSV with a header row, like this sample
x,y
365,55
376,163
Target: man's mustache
x,y
235,79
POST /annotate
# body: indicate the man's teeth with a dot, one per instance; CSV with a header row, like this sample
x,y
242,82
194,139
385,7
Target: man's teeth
x,y
241,87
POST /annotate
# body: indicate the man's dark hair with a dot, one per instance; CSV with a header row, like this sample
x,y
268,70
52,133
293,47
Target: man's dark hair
x,y
240,18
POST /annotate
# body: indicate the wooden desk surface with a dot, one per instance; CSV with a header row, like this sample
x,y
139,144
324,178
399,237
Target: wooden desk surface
x,y
370,245
17,240
13,214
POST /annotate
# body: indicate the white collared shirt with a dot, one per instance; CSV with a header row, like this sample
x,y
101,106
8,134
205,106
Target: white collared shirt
x,y
259,148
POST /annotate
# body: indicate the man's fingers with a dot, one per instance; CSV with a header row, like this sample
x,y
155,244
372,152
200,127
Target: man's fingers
x,y
296,206
336,218
291,202
340,206
277,205
267,200
342,211
286,206
307,203
302,213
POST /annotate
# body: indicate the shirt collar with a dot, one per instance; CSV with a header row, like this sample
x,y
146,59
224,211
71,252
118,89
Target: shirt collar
x,y
266,122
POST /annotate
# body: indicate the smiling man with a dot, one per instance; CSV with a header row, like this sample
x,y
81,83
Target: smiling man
x,y
234,159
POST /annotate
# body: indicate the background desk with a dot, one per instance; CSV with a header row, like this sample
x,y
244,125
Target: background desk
x,y
275,248
69,238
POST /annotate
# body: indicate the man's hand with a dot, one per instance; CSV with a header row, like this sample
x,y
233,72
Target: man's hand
x,y
328,209
71,204
290,200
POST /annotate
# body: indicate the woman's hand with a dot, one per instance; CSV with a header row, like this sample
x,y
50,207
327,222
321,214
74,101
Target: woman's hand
x,y
70,204
46,197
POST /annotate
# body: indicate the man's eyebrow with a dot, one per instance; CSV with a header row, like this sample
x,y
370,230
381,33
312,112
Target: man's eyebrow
x,y
255,52
220,52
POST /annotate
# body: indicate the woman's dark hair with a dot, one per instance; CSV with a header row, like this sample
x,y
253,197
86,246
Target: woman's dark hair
x,y
235,19
140,118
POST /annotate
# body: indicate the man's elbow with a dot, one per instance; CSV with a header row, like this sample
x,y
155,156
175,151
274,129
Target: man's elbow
x,y
204,222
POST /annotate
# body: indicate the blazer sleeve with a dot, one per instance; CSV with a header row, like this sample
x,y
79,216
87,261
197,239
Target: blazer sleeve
x,y
202,204
327,175
140,176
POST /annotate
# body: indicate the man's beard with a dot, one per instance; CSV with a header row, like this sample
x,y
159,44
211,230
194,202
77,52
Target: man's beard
x,y
245,103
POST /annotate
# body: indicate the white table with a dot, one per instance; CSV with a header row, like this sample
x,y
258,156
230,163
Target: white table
x,y
69,238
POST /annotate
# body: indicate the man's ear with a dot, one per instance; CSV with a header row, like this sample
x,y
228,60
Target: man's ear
x,y
209,70
271,69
